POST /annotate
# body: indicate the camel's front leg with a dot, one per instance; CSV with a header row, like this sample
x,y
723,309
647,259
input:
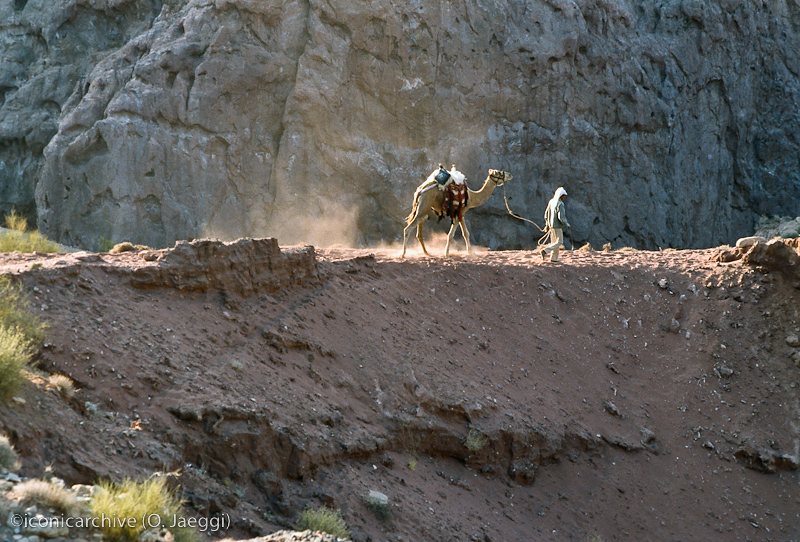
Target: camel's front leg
x,y
419,237
465,233
450,235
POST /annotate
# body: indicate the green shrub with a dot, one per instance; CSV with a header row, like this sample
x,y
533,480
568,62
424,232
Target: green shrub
x,y
47,494
104,245
9,459
18,239
323,519
20,334
132,500
14,311
16,353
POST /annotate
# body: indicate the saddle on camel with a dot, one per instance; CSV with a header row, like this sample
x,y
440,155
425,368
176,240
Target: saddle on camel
x,y
456,196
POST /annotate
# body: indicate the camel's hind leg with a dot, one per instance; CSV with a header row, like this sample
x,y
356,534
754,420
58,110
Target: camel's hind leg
x,y
419,236
450,235
465,233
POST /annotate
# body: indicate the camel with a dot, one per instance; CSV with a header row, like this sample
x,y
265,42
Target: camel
x,y
428,198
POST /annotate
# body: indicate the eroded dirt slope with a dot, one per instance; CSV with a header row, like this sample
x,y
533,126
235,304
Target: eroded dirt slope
x,y
626,394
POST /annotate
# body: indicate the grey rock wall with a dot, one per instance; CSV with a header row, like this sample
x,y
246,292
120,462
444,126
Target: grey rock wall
x,y
47,48
670,123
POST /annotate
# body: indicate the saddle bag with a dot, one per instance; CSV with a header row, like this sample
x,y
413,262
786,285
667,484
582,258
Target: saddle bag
x,y
442,177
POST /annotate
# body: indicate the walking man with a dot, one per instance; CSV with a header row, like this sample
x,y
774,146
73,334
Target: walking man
x,y
555,218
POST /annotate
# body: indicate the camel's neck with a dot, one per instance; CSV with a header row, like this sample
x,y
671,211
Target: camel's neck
x,y
476,199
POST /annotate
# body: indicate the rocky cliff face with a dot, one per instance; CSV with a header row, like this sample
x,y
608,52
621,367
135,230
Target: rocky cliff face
x,y
670,123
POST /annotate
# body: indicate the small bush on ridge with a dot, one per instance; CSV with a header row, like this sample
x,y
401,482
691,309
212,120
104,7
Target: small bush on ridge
x,y
323,519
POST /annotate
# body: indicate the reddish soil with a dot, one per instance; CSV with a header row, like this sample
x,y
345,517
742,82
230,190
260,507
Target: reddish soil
x,y
624,395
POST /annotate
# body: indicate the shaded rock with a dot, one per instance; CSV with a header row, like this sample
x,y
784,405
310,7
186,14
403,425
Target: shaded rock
x,y
42,526
523,472
775,255
267,482
242,267
726,255
766,460
611,408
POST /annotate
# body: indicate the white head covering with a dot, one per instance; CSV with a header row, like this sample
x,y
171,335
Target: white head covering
x,y
560,192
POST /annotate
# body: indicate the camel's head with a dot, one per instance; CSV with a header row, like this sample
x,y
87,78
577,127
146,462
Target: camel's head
x,y
499,176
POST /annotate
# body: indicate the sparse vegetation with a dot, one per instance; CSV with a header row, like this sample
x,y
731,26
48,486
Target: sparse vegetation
x,y
104,245
475,440
412,463
15,356
628,249
9,459
47,494
19,333
587,248
18,239
16,222
138,499
14,311
324,519
61,383
607,247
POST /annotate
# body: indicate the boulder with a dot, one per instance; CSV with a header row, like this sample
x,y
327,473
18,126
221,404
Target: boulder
x,y
747,242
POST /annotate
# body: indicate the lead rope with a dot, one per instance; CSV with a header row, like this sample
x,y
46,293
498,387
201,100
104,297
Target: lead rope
x,y
543,240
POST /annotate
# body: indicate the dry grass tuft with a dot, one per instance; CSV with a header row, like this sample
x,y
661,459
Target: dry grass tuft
x,y
48,495
150,498
127,246
475,440
61,383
